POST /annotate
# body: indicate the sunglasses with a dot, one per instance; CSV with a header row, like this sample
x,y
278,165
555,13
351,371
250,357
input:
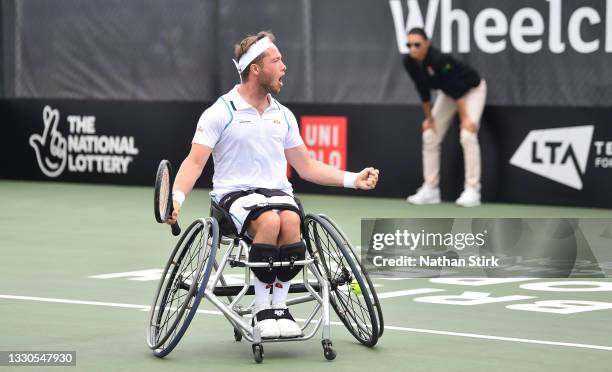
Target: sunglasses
x,y
416,45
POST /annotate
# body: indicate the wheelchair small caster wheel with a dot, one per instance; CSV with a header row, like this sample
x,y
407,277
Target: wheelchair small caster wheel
x,y
237,335
328,350
258,353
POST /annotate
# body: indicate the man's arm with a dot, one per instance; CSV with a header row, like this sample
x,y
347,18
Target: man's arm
x,y
428,122
320,173
418,78
189,172
419,81
427,110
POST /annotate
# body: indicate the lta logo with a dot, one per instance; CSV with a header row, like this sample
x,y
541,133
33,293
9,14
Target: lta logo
x,y
559,154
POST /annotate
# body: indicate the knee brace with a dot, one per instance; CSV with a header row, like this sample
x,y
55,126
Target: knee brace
x,y
290,253
264,253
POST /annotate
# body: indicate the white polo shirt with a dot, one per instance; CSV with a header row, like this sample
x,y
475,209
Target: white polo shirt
x,y
248,148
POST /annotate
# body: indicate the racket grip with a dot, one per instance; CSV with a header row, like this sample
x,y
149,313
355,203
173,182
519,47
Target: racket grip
x,y
176,230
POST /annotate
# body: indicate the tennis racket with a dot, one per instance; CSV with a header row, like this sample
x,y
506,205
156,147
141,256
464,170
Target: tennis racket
x,y
163,195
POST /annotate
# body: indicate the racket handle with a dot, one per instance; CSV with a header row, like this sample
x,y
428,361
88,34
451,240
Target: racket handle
x,y
176,230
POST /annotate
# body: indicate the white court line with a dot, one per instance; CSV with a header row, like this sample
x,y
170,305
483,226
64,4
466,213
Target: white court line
x,y
499,338
408,292
94,303
387,327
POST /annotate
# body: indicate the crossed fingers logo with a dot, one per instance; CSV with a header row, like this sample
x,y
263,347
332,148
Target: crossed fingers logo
x,y
50,147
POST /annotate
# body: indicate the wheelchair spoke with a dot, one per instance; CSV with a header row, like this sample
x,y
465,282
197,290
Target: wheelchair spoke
x,y
172,311
339,263
181,287
331,252
352,304
192,257
360,321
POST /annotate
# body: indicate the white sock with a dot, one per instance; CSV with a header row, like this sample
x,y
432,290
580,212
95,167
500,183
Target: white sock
x,y
262,293
280,292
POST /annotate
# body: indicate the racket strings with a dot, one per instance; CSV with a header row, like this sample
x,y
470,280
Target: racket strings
x,y
164,193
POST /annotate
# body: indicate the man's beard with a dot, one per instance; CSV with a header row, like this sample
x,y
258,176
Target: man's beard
x,y
270,87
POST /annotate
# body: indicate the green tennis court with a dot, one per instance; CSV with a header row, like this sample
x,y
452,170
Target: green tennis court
x,y
80,264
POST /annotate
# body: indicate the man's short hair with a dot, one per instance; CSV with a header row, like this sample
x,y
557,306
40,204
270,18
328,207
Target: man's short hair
x,y
244,45
418,31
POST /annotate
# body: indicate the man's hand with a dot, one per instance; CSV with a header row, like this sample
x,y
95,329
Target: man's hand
x,y
428,123
176,207
367,179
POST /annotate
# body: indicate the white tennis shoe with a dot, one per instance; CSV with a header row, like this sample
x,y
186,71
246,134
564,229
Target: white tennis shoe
x,y
264,320
286,324
425,195
469,198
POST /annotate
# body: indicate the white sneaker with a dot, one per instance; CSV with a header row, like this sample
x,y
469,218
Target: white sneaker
x,y
469,198
286,324
264,320
425,195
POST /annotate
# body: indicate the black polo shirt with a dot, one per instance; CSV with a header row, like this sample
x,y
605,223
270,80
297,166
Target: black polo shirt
x,y
441,71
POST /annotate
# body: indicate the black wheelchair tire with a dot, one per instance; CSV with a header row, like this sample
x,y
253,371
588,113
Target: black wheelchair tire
x,y
339,297
376,303
206,229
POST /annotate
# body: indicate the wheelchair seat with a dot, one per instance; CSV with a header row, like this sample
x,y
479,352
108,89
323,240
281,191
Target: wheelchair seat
x,y
226,226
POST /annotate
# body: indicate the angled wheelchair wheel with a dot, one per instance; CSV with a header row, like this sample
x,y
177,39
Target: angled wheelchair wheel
x,y
182,285
364,273
351,295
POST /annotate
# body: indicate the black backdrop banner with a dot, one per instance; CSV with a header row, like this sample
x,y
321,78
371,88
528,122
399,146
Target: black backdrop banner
x,y
531,52
539,155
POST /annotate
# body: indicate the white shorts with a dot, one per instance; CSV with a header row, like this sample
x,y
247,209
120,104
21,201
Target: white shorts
x,y
243,206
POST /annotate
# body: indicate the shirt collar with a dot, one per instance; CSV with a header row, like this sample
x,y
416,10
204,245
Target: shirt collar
x,y
241,104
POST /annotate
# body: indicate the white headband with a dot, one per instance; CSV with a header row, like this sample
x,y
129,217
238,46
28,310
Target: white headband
x,y
253,52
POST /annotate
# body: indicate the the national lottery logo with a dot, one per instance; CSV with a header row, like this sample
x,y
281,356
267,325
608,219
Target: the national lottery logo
x,y
83,150
50,146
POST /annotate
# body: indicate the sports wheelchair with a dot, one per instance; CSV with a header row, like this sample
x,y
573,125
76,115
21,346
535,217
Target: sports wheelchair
x,y
194,271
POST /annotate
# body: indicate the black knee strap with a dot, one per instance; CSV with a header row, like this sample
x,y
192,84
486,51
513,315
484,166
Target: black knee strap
x,y
290,253
264,253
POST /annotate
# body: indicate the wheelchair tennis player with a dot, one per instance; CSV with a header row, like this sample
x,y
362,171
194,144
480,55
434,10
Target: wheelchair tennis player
x,y
251,137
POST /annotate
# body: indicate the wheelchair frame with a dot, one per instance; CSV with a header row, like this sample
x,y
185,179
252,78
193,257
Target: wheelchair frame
x,y
203,283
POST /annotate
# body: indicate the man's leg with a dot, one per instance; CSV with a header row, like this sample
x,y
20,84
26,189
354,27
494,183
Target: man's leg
x,y
291,248
264,230
290,245
442,112
474,105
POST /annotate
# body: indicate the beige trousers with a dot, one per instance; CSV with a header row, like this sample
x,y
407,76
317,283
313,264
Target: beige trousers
x,y
443,111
